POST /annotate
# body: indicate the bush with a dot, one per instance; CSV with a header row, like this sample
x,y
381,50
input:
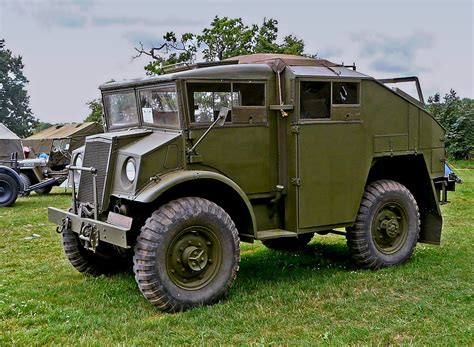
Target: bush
x,y
457,117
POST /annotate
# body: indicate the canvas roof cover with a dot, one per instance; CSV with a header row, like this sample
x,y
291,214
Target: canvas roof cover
x,y
9,143
42,141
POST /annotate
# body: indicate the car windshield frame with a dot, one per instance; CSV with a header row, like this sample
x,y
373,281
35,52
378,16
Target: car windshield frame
x,y
168,87
163,87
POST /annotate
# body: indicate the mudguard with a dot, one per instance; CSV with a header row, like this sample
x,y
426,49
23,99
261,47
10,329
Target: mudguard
x,y
9,171
159,186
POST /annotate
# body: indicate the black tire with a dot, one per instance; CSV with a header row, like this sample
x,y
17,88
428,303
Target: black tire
x,y
162,260
26,184
387,226
44,191
289,244
105,261
8,190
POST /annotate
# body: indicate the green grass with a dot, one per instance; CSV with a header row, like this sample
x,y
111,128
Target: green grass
x,y
314,297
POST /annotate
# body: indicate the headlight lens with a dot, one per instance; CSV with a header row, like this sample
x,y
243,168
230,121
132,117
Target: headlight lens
x,y
130,170
77,173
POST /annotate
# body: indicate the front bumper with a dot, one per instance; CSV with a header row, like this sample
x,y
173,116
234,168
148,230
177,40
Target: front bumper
x,y
106,232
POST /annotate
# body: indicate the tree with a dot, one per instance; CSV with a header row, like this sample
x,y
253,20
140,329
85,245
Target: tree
x,y
97,111
40,126
224,38
15,112
457,117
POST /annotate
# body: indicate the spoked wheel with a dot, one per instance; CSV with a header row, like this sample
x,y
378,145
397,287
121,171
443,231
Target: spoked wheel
x,y
387,226
8,190
187,254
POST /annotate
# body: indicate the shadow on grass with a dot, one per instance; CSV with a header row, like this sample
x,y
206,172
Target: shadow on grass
x,y
271,266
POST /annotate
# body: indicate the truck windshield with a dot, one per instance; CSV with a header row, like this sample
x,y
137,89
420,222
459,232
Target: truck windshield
x,y
159,106
121,109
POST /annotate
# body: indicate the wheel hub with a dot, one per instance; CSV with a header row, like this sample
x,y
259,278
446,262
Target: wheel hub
x,y
391,227
194,258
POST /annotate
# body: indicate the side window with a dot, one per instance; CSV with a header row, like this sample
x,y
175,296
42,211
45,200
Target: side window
x,y
345,93
315,100
245,99
249,94
206,99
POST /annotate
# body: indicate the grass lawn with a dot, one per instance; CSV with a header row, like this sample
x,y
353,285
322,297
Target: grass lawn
x,y
313,297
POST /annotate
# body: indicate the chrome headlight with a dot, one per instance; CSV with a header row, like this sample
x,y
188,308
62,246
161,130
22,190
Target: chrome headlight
x,y
130,170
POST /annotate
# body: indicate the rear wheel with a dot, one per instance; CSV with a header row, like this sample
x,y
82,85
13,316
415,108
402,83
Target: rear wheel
x,y
387,226
289,243
8,190
187,254
105,261
26,184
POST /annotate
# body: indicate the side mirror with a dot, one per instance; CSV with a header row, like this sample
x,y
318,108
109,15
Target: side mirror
x,y
223,112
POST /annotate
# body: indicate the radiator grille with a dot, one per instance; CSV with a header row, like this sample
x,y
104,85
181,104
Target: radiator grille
x,y
96,155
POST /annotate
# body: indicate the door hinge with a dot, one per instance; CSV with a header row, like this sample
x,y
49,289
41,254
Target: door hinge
x,y
296,181
295,129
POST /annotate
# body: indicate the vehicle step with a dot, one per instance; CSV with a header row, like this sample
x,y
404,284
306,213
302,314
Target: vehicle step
x,y
274,233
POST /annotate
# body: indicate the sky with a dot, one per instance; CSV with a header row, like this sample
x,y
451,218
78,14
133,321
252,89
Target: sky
x,y
70,47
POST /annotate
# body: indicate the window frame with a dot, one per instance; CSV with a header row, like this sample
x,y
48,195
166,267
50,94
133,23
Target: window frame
x,y
106,111
332,105
198,125
154,87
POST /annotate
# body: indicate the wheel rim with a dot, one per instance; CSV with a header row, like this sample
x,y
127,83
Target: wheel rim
x,y
193,257
6,192
390,228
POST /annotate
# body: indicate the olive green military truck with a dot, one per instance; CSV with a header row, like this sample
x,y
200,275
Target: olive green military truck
x,y
263,147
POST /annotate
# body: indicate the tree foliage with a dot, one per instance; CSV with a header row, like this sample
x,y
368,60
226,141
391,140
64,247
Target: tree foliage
x,y
96,111
15,112
224,38
457,117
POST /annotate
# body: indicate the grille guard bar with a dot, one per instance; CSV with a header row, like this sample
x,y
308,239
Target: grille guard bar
x,y
93,171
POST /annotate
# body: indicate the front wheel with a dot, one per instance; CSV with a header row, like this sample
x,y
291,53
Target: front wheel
x,y
105,261
387,226
8,190
187,254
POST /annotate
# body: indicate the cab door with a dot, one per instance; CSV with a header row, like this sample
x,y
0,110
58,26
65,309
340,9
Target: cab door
x,y
329,152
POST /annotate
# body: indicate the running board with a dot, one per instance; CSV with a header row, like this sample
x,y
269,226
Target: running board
x,y
274,234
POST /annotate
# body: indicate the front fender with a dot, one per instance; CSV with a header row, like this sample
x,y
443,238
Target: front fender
x,y
158,187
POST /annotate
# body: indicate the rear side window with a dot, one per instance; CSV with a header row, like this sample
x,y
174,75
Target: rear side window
x,y
345,93
315,99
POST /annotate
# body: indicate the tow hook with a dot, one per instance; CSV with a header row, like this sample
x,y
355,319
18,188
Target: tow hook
x,y
90,235
66,224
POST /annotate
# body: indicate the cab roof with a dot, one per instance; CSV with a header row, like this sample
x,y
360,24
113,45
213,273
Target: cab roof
x,y
253,66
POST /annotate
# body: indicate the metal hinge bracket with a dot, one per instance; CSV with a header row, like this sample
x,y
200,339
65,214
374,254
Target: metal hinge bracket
x,y
296,181
295,129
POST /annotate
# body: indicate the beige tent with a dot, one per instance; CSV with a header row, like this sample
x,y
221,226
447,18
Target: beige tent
x,y
9,143
77,132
